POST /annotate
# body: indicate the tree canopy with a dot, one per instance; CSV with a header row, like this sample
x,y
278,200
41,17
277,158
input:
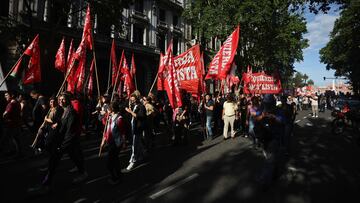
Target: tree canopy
x,y
271,36
342,52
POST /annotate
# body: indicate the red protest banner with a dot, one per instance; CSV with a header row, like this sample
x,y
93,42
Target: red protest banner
x,y
188,69
260,83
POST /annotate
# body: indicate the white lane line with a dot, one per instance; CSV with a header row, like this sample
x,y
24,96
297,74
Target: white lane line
x,y
309,124
80,200
305,117
97,179
323,125
171,187
297,121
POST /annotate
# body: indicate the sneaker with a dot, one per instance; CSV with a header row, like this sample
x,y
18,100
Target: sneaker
x,y
38,190
80,178
73,170
313,116
316,116
113,182
130,166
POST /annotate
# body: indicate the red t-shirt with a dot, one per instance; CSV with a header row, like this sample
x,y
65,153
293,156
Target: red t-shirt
x,y
13,114
79,109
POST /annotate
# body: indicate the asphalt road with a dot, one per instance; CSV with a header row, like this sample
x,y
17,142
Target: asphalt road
x,y
321,168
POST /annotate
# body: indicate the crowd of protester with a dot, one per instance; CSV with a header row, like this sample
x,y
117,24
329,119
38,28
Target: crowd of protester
x,y
135,121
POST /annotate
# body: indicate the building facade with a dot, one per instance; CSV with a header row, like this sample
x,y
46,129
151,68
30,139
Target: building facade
x,y
145,28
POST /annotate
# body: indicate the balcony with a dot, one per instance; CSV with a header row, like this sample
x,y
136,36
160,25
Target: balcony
x,y
177,30
139,17
163,26
173,4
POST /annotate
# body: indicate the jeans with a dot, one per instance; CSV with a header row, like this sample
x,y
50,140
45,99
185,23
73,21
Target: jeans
x,y
252,131
208,126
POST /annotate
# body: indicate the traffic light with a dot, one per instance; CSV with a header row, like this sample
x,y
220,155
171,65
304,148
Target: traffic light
x,y
324,78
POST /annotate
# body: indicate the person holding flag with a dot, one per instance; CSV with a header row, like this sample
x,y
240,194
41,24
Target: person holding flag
x,y
114,138
138,116
65,141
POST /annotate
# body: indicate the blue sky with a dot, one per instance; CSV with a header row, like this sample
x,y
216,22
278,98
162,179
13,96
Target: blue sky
x,y
319,27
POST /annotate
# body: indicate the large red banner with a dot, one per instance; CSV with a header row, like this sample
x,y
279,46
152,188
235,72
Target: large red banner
x,y
221,64
260,83
188,69
168,78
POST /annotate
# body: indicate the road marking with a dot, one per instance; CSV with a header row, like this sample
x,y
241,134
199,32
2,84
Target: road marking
x,y
297,121
80,200
97,179
171,187
309,124
305,117
323,125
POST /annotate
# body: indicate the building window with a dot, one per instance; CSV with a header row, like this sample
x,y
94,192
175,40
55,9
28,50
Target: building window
x,y
175,45
162,42
175,20
139,6
138,36
162,15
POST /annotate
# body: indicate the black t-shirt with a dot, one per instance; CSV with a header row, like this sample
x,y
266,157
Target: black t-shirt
x,y
209,104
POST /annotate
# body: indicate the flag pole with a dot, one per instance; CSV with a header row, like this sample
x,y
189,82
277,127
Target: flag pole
x,y
135,82
108,86
11,70
94,56
152,86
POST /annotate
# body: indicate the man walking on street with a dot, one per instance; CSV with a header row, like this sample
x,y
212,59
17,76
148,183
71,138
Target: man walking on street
x,y
66,141
209,108
138,115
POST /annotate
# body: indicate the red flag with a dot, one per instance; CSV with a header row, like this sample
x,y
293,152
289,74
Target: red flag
x,y
160,79
249,69
119,69
69,53
87,29
221,64
113,62
133,67
60,57
171,82
188,69
33,72
90,83
17,68
126,77
128,83
80,72
71,77
262,83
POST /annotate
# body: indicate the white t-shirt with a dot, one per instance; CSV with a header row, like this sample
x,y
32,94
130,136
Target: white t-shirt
x,y
229,108
314,102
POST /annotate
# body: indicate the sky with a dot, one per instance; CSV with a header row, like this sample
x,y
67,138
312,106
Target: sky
x,y
319,27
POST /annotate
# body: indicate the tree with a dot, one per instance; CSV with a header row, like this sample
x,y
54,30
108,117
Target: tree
x,y
310,82
271,36
342,52
298,80
305,77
